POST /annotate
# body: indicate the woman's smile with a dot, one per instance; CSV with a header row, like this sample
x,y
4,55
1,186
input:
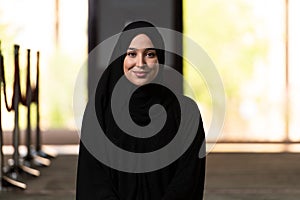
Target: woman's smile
x,y
140,74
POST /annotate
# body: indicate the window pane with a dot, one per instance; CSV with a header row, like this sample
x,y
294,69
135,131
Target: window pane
x,y
29,24
245,39
294,62
32,25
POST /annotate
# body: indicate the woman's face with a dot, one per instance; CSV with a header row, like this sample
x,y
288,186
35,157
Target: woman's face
x,y
141,63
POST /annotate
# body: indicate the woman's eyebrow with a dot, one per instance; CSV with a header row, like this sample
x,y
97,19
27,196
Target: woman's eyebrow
x,y
150,49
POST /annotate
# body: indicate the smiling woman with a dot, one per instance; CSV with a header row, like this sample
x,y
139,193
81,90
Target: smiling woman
x,y
117,165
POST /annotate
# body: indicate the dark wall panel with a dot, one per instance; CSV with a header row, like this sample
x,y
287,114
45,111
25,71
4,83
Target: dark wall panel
x,y
108,17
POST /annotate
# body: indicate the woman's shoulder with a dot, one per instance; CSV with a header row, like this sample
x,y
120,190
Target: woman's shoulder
x,y
187,103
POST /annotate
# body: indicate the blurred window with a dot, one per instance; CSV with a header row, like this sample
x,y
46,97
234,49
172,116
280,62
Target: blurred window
x,y
246,41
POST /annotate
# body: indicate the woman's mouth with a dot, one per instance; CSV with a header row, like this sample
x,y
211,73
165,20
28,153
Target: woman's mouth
x,y
140,74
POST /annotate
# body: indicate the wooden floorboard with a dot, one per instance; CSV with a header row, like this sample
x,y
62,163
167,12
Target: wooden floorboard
x,y
230,176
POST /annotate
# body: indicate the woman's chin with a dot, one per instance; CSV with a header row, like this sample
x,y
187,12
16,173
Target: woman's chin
x,y
139,82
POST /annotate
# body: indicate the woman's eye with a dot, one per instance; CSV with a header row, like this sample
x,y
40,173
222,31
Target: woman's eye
x,y
151,54
131,54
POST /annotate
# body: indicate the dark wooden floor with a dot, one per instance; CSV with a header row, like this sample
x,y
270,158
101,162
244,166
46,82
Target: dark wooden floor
x,y
230,176
56,182
253,177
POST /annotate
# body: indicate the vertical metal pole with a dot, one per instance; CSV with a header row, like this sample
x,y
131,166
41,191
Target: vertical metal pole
x,y
38,131
28,103
16,99
287,86
39,150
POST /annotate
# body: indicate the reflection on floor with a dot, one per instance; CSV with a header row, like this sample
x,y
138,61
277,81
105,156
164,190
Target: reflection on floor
x,y
230,176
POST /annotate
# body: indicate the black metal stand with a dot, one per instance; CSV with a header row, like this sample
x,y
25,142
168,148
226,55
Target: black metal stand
x,y
16,167
10,172
31,159
42,152
5,181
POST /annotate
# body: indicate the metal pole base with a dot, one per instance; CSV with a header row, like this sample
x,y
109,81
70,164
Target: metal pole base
x,y
46,153
8,182
15,170
35,160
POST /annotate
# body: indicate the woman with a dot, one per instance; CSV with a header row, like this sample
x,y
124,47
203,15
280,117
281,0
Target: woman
x,y
138,60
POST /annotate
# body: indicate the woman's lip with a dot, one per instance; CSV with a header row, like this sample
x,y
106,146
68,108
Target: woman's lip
x,y
140,73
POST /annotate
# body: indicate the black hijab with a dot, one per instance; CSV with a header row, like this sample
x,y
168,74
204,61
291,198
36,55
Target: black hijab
x,y
181,179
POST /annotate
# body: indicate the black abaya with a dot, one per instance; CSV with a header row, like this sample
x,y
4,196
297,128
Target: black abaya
x,y
183,179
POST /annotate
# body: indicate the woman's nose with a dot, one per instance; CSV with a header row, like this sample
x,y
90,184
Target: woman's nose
x,y
140,61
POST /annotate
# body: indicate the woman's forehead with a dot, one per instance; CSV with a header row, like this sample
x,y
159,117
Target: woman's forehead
x,y
141,41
